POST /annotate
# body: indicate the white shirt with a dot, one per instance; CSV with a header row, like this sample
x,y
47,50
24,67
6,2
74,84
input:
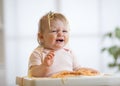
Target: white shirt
x,y
63,60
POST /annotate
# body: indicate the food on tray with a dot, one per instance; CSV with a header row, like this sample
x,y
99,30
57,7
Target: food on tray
x,y
88,72
64,74
82,71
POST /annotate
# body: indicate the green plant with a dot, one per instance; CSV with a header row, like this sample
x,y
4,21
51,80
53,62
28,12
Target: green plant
x,y
113,50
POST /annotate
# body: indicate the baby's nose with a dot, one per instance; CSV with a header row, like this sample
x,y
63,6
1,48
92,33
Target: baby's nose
x,y
60,33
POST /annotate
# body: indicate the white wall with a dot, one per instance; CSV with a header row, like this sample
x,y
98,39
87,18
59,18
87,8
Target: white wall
x,y
89,19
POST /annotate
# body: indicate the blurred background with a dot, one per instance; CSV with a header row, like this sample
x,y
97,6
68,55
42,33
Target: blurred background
x,y
89,20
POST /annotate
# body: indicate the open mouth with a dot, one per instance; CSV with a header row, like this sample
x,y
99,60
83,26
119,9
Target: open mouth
x,y
59,40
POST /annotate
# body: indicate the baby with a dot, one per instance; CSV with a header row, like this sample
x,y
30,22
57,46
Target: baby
x,y
51,56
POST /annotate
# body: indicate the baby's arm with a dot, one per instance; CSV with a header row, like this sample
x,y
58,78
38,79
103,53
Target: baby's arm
x,y
43,69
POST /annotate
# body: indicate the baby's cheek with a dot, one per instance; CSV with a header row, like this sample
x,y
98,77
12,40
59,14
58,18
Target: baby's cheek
x,y
66,39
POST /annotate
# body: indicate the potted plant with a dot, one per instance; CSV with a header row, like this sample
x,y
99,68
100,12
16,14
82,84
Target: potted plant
x,y
114,49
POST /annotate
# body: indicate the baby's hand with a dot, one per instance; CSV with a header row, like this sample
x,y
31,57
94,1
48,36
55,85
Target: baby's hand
x,y
48,61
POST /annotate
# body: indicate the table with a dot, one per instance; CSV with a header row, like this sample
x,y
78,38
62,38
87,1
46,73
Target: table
x,y
106,80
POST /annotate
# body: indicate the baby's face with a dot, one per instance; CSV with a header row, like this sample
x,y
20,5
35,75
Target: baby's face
x,y
57,36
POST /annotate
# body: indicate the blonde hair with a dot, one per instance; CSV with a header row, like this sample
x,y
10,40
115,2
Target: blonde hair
x,y
47,19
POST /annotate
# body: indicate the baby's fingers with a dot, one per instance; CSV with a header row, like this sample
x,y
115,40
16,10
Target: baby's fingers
x,y
50,55
49,58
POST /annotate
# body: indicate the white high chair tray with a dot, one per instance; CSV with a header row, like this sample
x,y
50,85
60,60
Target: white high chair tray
x,y
104,80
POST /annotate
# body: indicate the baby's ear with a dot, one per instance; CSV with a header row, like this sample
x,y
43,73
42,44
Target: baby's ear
x,y
40,36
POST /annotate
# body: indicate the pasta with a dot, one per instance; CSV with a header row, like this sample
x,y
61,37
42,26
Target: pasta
x,y
84,72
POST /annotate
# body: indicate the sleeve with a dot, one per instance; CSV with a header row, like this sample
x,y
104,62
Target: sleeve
x,y
35,59
76,64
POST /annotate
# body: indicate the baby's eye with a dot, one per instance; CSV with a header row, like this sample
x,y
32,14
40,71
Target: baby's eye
x,y
65,31
53,31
